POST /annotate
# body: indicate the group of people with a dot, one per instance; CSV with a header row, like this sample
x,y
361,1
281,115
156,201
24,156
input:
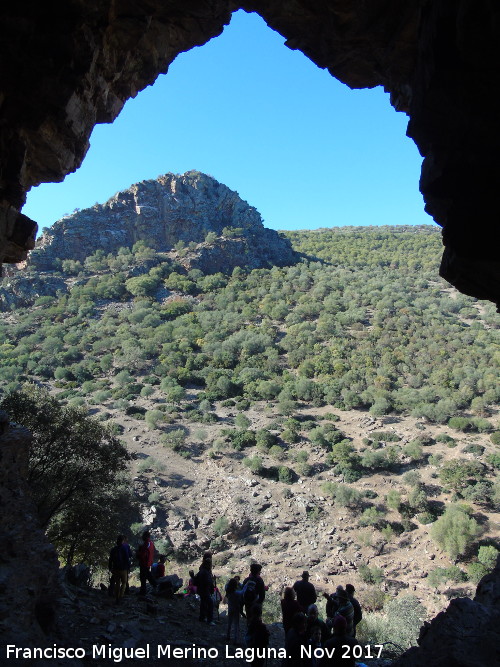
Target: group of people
x,y
303,626
300,616
120,562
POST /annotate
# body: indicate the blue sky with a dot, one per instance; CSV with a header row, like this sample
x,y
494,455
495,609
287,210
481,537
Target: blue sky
x,y
301,147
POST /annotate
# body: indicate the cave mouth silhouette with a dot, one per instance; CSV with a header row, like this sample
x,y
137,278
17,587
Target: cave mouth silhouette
x,y
303,148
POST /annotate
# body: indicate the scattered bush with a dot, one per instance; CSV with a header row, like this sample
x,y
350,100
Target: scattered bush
x,y
441,575
455,531
221,526
371,575
255,464
174,439
285,475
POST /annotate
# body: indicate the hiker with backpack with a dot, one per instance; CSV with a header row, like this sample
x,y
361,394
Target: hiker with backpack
x,y
254,589
145,556
119,564
358,613
333,603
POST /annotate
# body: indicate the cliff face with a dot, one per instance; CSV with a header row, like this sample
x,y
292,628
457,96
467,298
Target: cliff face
x,y
467,634
164,211
29,567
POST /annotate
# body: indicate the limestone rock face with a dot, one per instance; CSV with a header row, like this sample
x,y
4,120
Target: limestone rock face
x,y
164,211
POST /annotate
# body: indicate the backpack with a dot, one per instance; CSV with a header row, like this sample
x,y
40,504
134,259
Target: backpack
x,y
249,593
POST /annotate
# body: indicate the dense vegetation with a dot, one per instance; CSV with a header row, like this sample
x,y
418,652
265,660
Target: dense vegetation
x,y
361,323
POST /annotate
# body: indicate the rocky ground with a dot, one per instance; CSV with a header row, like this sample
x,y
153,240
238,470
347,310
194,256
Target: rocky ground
x,y
290,527
92,621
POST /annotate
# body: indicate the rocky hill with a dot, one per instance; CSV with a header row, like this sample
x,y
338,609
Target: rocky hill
x,y
171,209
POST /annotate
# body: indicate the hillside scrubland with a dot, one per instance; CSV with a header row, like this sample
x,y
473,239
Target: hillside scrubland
x,y
338,415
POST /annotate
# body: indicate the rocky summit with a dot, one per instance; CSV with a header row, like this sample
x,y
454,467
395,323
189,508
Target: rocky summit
x,y
171,209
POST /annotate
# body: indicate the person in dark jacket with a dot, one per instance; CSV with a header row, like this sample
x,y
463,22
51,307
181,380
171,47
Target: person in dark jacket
x,y
333,602
119,564
306,593
289,607
205,587
314,621
257,636
358,614
347,611
342,644
296,638
257,586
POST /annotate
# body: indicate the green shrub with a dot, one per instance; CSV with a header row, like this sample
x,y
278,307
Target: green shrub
x,y
304,469
264,439
242,439
455,531
221,526
285,474
153,418
444,437
77,474
371,575
277,452
405,615
494,460
414,451
150,464
495,438
441,575
242,421
384,436
371,516
476,572
477,450
458,473
460,424
487,555
254,463
174,439
372,599
393,500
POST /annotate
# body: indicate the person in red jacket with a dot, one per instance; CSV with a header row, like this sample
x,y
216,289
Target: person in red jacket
x,y
146,556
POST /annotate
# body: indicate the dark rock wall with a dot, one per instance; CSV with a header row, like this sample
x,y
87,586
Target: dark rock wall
x,y
467,634
28,563
73,63
454,115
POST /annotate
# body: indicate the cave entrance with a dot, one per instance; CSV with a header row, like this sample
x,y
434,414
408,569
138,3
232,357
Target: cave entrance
x,y
297,144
